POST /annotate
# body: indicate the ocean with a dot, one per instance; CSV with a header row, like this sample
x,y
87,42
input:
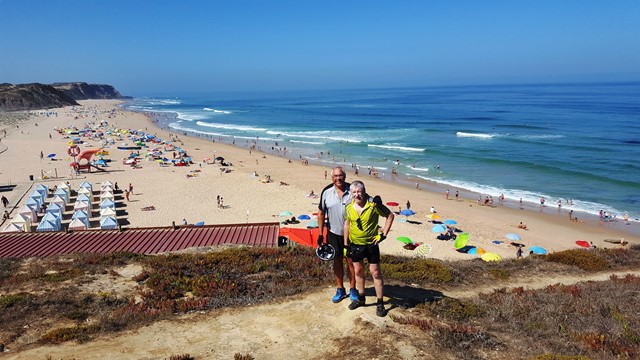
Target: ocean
x,y
577,143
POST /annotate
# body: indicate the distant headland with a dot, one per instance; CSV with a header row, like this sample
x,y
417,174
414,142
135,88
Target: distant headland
x,y
42,96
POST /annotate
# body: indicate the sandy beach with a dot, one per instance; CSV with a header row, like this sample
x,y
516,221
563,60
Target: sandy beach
x,y
191,192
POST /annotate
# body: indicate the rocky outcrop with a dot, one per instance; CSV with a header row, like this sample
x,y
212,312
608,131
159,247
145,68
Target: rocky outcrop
x,y
31,97
40,96
84,91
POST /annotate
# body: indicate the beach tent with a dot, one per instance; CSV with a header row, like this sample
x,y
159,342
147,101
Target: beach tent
x,y
107,212
59,201
32,203
63,185
46,226
82,205
106,195
85,191
86,185
106,183
106,189
12,228
55,209
42,186
40,192
37,199
22,221
82,216
107,203
63,194
30,212
84,197
77,224
108,223
51,217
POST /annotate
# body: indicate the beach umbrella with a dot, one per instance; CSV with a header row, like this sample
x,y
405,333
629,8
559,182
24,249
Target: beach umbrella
x,y
583,244
512,236
461,241
304,217
538,250
433,216
450,222
472,250
312,224
51,156
199,223
392,203
438,228
407,212
220,158
285,213
404,240
490,256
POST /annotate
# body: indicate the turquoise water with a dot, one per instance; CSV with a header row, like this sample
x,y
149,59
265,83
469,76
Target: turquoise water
x,y
563,141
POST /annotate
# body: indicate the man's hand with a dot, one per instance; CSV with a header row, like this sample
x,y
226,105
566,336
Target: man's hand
x,y
379,238
320,240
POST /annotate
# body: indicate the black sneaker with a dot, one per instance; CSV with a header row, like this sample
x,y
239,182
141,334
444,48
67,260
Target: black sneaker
x,y
356,304
380,310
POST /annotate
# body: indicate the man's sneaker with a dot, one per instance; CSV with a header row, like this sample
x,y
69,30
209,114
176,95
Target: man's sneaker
x,y
340,294
353,294
356,304
380,310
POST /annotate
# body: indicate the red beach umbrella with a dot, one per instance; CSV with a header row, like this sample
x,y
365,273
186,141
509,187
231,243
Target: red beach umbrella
x,y
392,203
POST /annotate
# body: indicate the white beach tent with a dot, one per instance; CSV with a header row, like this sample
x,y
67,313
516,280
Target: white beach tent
x,y
29,211
107,212
46,226
82,205
22,221
108,223
59,201
63,185
85,191
107,203
105,189
106,183
77,224
87,185
107,195
11,227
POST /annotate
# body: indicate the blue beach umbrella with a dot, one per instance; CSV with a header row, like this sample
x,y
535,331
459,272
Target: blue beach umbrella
x,y
438,228
304,217
407,212
538,250
512,236
450,222
51,156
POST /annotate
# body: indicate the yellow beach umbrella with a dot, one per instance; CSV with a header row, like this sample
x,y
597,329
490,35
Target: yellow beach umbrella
x,y
490,256
433,216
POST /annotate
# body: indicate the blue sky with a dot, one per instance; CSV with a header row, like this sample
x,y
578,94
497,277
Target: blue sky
x,y
175,46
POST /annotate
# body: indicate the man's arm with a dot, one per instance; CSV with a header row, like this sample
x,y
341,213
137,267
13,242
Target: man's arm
x,y
320,228
346,232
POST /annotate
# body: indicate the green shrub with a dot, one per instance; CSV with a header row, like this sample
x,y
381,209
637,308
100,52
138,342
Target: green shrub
x,y
585,260
7,301
416,270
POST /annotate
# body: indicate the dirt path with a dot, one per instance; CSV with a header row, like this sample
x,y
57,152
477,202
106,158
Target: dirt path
x,y
299,327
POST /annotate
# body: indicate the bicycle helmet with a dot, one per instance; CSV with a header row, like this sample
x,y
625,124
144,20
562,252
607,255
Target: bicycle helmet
x,y
326,252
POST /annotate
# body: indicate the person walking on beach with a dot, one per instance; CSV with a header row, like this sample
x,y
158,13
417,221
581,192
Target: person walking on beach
x,y
333,199
408,205
126,194
130,188
361,238
457,195
446,195
5,201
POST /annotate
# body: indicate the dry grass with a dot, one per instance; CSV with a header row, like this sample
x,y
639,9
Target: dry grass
x,y
597,320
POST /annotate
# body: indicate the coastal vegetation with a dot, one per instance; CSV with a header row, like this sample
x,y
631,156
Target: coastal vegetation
x,y
597,320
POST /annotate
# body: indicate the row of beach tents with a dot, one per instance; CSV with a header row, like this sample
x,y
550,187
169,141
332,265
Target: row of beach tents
x,y
54,209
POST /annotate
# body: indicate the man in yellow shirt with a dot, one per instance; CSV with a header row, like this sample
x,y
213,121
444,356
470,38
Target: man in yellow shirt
x,y
361,237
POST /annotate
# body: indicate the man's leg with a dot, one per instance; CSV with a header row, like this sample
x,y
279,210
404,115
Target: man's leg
x,y
378,281
358,268
338,270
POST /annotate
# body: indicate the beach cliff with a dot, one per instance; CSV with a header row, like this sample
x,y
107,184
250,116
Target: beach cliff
x,y
41,96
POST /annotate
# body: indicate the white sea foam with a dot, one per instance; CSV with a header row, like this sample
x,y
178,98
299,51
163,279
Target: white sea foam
x,y
229,126
418,169
177,126
162,101
306,142
190,117
477,135
541,136
395,147
226,112
320,135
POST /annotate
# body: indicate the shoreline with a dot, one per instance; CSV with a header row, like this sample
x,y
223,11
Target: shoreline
x,y
161,120
190,192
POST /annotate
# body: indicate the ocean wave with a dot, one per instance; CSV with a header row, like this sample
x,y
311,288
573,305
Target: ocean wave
x,y
254,138
535,137
161,101
306,142
176,126
230,126
189,117
395,147
418,169
320,135
476,135
226,112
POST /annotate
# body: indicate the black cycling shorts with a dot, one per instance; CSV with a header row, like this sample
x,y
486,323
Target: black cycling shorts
x,y
358,253
337,241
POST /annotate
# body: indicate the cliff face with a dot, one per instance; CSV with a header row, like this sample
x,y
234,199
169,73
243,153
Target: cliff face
x,y
84,91
32,96
41,96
